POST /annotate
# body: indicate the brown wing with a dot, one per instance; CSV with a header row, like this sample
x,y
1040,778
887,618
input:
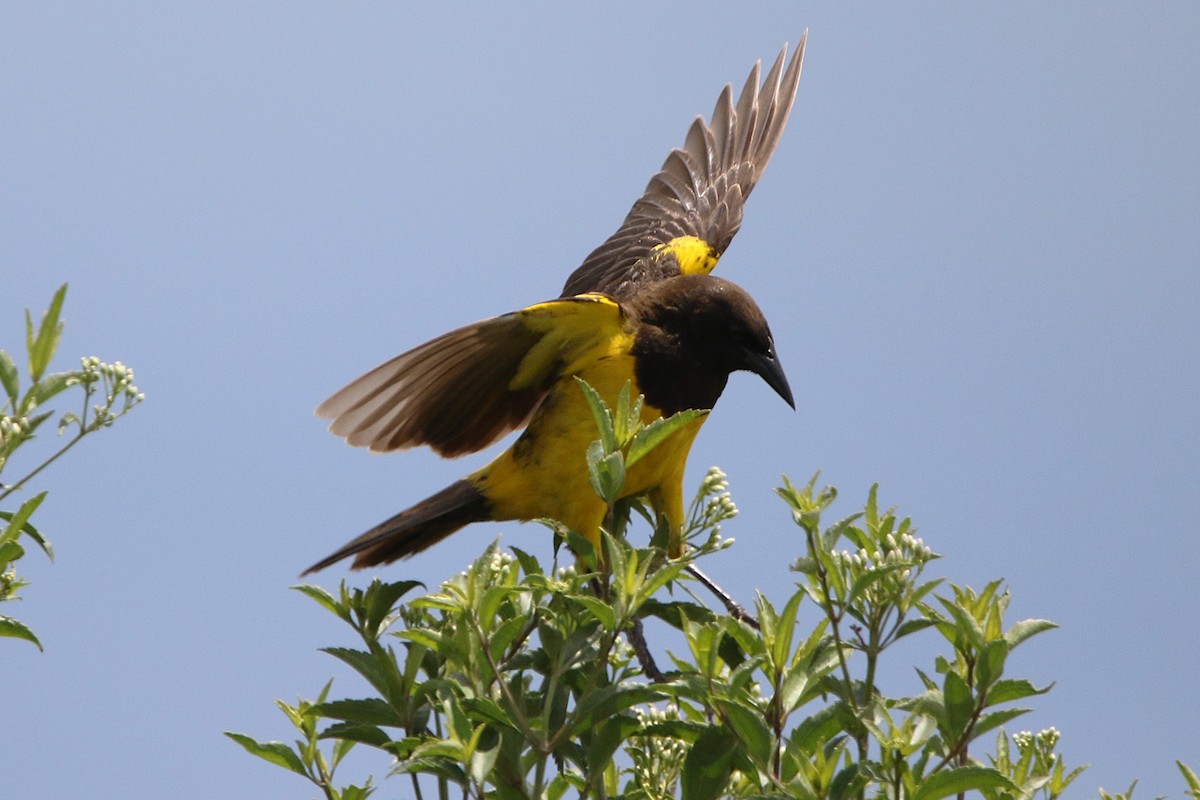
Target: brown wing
x,y
465,389
701,189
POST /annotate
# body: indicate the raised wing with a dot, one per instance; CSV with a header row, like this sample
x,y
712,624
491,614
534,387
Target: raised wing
x,y
692,208
465,389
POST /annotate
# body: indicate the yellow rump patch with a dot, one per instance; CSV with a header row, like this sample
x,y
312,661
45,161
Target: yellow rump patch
x,y
695,256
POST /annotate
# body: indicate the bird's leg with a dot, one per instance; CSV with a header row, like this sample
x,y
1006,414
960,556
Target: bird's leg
x,y
735,610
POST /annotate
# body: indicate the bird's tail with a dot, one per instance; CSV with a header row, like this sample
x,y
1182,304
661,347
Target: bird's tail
x,y
414,529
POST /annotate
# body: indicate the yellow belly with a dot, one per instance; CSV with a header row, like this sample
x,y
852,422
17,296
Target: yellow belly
x,y
545,473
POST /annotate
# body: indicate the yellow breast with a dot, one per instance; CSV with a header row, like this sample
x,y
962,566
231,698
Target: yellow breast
x,y
545,473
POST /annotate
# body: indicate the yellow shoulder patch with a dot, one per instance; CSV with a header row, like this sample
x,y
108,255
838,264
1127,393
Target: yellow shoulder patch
x,y
695,256
570,327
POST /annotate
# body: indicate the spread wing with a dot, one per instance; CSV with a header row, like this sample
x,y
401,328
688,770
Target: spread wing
x,y
465,389
692,208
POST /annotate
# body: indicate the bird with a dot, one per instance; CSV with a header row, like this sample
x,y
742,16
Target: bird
x,y
642,310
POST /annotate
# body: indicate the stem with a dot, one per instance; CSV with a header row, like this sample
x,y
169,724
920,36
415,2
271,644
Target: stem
x,y
732,606
540,775
14,487
512,701
515,648
777,705
872,650
83,431
325,777
834,620
637,640
442,781
958,753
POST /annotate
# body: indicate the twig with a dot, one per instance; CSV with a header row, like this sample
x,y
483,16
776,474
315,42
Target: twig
x,y
637,640
735,610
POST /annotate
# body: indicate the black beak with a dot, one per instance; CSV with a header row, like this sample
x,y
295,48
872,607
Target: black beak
x,y
766,366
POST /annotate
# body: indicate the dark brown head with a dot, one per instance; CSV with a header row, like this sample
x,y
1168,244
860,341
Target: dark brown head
x,y
694,330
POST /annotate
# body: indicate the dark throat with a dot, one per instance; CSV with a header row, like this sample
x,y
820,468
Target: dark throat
x,y
671,376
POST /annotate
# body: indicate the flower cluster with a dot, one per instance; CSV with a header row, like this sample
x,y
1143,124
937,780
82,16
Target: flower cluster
x,y
117,380
904,551
886,567
657,760
712,505
1043,742
12,428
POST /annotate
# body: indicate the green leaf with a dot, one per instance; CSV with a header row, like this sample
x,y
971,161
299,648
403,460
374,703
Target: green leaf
x,y
653,434
19,522
585,552
872,509
493,598
968,633
351,732
847,783
458,723
1005,691
600,704
10,552
606,472
622,420
799,680
751,728
607,738
484,751
42,347
960,705
353,792
602,415
869,579
819,728
962,779
67,420
381,599
10,378
36,420
1189,775
995,719
529,564
370,711
375,670
504,634
1022,630
17,630
277,753
600,610
429,639
780,645
435,758
913,625
674,611
485,709
52,384
708,765
990,666
327,601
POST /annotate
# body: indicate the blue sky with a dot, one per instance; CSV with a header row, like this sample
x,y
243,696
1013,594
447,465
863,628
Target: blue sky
x,y
977,246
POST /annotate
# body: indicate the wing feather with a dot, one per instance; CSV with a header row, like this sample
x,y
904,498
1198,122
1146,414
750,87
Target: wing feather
x,y
431,394
702,186
465,389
